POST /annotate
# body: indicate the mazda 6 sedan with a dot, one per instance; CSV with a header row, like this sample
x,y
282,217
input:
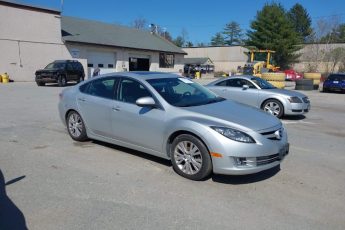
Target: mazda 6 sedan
x,y
257,92
174,118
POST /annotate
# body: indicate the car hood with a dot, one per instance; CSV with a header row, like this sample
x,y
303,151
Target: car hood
x,y
285,92
238,114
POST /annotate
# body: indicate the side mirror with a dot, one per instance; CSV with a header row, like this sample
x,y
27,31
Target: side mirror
x,y
245,87
145,102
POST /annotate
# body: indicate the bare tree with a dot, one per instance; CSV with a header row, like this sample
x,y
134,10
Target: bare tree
x,y
139,23
320,51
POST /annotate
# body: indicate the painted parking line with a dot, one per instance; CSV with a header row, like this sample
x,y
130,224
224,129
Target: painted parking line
x,y
298,122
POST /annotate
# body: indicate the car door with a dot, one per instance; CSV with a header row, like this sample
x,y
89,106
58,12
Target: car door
x,y
246,95
143,127
234,90
95,105
70,72
221,89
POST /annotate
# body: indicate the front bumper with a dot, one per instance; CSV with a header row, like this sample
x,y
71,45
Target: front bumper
x,y
247,158
297,108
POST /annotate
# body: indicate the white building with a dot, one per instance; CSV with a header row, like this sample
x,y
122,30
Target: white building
x,y
31,37
118,48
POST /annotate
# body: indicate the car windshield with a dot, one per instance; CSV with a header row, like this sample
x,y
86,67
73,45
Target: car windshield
x,y
55,65
262,83
182,92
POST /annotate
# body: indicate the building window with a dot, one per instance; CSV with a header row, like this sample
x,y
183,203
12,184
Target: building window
x,y
100,65
90,65
110,66
166,60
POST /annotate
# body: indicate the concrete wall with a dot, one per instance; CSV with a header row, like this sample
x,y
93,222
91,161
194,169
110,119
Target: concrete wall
x,y
29,40
315,58
122,56
224,58
29,25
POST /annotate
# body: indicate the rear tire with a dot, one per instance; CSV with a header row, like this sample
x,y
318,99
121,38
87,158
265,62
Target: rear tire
x,y
62,82
40,83
190,157
304,84
81,78
76,127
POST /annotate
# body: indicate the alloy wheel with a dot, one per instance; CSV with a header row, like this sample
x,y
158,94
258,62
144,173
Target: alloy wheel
x,y
75,125
272,108
188,157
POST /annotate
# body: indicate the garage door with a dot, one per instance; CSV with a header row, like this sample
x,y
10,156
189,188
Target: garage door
x,y
139,64
101,59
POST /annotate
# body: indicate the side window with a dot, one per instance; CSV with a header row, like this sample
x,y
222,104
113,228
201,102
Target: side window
x,y
130,91
69,66
234,83
251,86
83,88
222,83
102,88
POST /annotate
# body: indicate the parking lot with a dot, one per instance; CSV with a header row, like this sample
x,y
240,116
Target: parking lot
x,y
52,182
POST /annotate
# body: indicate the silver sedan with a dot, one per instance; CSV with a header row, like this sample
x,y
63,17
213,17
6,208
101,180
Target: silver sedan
x,y
259,93
174,118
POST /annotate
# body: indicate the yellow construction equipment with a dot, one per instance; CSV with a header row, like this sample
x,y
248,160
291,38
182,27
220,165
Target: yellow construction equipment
x,y
260,61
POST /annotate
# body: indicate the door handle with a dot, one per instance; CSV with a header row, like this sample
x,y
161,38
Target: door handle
x,y
81,99
116,108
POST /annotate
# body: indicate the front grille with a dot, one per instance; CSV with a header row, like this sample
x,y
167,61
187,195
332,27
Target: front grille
x,y
276,134
267,159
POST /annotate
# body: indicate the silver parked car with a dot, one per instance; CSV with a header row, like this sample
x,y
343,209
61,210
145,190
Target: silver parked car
x,y
174,118
259,93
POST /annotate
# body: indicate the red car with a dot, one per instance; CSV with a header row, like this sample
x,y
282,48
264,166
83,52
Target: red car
x,y
292,75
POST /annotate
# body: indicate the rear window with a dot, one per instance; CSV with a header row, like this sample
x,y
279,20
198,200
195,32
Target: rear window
x,y
336,77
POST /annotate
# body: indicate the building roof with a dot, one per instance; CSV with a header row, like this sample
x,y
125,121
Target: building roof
x,y
16,4
198,61
99,33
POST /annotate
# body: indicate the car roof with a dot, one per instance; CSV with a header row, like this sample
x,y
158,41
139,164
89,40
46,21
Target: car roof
x,y
144,75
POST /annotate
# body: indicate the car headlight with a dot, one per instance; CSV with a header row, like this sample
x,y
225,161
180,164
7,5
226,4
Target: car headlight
x,y
234,134
294,100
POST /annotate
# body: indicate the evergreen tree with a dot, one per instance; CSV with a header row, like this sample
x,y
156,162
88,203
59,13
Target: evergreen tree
x,y
273,30
301,21
233,33
189,44
218,40
179,41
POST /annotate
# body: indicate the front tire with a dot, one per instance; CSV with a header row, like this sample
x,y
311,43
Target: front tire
x,y
273,107
190,157
76,127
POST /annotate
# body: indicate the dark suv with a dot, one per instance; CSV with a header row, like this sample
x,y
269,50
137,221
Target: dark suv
x,y
60,72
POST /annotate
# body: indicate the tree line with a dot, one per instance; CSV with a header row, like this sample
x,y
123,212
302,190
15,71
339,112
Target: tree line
x,y
273,28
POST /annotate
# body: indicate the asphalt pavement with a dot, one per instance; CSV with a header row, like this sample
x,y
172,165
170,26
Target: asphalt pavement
x,y
49,181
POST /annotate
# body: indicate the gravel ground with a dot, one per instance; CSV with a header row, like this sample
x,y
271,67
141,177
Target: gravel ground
x,y
53,182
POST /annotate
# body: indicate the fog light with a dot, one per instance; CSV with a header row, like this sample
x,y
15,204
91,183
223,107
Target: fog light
x,y
240,161
245,161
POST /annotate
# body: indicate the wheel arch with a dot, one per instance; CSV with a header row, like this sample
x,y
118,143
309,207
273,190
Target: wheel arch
x,y
177,133
275,99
